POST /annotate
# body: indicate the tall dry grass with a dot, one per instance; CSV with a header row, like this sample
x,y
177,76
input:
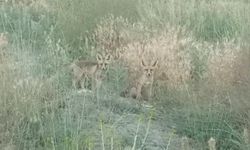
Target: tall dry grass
x,y
192,40
170,48
135,42
180,56
222,61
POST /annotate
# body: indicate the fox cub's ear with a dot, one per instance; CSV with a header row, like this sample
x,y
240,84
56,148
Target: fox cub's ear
x,y
98,57
155,63
143,63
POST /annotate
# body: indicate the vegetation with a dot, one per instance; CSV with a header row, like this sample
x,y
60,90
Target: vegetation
x,y
201,88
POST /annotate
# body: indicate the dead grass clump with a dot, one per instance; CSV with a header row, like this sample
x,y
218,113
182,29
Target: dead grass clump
x,y
108,33
242,69
113,33
3,54
221,63
3,40
170,49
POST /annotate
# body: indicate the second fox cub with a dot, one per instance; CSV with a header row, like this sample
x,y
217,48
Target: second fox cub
x,y
145,81
94,70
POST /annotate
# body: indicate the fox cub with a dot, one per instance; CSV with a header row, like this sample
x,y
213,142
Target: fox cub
x,y
143,85
94,70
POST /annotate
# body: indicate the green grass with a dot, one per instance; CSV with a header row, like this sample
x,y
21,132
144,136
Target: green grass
x,y
209,20
39,109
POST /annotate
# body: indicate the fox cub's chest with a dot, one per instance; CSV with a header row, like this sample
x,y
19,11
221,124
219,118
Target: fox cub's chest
x,y
144,80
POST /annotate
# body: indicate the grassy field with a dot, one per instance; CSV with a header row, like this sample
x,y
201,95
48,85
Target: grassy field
x,y
201,87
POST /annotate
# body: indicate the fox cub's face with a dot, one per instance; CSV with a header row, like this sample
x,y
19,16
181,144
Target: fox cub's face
x,y
103,61
149,68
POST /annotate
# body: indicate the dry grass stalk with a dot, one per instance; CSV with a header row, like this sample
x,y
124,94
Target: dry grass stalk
x,y
185,143
212,144
3,40
3,44
246,135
